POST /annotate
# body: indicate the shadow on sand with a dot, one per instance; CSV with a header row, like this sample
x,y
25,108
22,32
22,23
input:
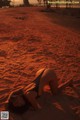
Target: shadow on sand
x,y
53,108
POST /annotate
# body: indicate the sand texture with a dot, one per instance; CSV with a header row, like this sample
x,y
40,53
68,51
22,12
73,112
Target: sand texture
x,y
31,39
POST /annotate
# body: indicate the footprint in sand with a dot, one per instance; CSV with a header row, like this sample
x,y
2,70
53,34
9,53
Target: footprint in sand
x,y
4,38
38,60
34,39
20,18
45,52
16,38
31,49
3,53
4,28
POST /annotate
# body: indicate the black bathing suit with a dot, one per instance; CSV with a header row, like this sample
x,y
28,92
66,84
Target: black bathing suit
x,y
26,106
37,81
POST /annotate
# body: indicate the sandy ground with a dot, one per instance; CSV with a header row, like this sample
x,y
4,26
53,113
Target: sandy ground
x,y
30,40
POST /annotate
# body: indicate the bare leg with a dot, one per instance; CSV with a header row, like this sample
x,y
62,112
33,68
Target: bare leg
x,y
48,78
41,86
53,86
57,89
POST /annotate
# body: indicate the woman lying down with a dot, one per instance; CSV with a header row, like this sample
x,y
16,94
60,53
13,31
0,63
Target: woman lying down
x,y
21,100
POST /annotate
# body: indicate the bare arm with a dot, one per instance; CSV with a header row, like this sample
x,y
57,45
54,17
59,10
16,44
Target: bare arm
x,y
62,86
41,86
31,96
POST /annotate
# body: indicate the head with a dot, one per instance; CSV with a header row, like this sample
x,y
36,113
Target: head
x,y
15,98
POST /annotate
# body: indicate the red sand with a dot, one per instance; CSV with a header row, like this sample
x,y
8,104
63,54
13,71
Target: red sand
x,y
30,40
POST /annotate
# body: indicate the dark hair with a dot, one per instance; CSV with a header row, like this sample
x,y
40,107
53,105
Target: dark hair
x,y
19,110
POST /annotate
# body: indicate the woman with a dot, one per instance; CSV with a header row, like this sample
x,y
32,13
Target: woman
x,y
21,100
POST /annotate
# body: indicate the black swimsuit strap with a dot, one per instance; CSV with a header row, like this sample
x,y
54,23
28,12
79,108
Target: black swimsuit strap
x,y
37,82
